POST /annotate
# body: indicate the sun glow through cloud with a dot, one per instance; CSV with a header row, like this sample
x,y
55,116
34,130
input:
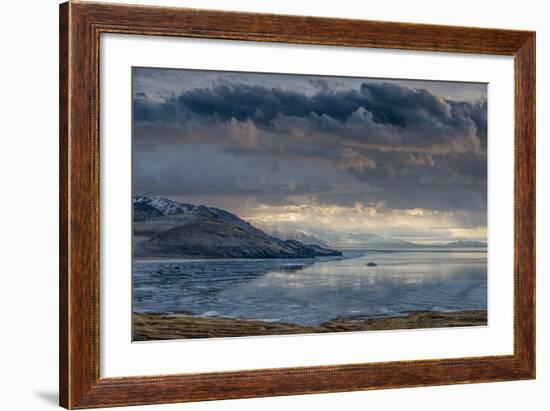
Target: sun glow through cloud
x,y
339,158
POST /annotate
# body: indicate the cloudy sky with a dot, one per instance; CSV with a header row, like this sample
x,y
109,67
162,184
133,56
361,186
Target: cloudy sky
x,y
326,155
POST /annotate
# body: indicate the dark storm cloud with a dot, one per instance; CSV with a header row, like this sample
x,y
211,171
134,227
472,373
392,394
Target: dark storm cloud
x,y
383,115
146,110
477,112
371,142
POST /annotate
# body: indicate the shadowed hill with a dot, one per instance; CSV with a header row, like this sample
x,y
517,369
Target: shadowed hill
x,y
165,228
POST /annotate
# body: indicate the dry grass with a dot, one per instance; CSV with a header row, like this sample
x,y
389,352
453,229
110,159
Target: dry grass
x,y
148,327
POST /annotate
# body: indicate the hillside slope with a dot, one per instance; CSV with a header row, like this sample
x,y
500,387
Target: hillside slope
x,y
167,229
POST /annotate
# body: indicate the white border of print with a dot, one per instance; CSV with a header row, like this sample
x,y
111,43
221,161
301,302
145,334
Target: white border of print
x,y
120,357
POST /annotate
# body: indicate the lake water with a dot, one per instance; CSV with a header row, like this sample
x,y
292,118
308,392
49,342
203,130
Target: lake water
x,y
309,292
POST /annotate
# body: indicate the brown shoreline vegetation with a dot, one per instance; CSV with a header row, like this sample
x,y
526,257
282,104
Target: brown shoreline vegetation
x,y
154,326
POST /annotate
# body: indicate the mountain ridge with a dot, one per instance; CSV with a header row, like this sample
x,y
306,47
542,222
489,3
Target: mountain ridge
x,y
166,228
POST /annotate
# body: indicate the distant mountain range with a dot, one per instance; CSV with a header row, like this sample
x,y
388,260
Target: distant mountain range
x,y
357,240
284,233
374,241
165,228
368,240
464,244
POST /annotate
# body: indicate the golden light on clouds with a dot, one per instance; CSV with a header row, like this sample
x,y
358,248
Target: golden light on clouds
x,y
423,225
333,156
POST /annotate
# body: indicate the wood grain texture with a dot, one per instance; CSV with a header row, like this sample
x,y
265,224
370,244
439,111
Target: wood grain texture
x,y
80,27
63,205
525,202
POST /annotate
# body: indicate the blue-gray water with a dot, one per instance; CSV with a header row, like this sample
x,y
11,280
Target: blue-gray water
x,y
309,292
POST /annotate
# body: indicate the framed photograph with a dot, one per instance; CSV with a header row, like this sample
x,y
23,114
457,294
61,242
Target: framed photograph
x,y
259,205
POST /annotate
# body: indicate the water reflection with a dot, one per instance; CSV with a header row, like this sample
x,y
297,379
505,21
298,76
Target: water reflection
x,y
309,292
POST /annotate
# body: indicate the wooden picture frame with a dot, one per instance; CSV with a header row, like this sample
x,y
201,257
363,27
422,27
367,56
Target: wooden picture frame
x,y
80,27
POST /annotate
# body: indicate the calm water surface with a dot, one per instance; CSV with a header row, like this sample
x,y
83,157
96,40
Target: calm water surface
x,y
309,292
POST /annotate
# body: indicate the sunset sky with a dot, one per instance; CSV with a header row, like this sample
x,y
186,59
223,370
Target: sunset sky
x,y
330,156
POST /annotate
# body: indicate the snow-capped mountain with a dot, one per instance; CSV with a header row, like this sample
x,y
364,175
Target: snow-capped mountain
x,y
153,206
163,205
165,228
